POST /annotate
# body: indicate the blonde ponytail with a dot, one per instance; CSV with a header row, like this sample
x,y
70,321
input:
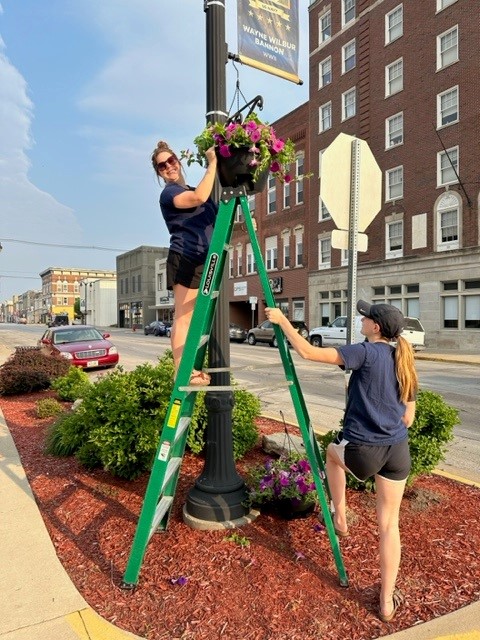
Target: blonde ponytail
x,y
405,370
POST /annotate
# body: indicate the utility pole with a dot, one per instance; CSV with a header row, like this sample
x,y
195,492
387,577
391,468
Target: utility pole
x,y
219,491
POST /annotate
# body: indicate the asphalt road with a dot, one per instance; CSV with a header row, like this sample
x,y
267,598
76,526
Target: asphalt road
x,y
259,369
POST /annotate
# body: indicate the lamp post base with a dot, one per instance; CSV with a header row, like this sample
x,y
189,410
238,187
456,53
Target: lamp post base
x,y
209,525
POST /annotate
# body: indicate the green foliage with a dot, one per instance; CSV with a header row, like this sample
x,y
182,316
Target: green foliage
x,y
428,437
242,541
75,384
48,407
118,424
29,370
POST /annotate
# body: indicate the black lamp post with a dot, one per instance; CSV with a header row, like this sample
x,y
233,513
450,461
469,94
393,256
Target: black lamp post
x,y
219,491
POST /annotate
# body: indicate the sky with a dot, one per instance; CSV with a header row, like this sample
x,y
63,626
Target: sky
x,y
87,88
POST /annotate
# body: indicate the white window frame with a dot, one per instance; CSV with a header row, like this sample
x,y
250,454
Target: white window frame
x,y
251,266
286,195
348,8
272,194
394,24
324,252
323,212
349,59
299,171
239,260
325,117
286,249
393,227
271,253
445,159
394,130
449,204
325,72
299,247
397,174
447,46
324,27
230,262
349,104
452,108
443,4
394,77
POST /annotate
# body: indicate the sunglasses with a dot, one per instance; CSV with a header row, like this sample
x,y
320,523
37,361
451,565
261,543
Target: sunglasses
x,y
161,166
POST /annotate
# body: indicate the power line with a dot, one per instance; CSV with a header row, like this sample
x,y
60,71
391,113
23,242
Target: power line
x,y
62,246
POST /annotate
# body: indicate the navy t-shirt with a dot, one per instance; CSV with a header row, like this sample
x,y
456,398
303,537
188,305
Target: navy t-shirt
x,y
374,411
190,229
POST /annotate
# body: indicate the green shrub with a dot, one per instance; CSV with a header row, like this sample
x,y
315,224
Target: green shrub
x,y
29,370
119,421
48,407
428,437
73,385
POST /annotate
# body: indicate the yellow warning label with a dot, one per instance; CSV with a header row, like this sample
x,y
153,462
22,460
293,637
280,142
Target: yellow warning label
x,y
173,415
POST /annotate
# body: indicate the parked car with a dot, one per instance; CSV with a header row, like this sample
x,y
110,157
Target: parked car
x,y
266,333
237,333
84,346
335,333
156,328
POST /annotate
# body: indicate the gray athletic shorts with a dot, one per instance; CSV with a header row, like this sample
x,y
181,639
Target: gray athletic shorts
x,y
365,460
181,270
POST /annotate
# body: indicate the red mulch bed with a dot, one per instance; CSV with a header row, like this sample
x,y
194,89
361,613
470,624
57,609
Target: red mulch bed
x,y
283,585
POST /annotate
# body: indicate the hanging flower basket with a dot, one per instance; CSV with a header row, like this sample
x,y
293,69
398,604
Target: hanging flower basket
x,y
237,170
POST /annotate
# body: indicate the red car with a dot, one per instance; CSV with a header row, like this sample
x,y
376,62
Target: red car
x,y
82,345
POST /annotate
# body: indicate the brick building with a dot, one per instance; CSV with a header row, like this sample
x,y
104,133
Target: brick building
x,y
403,76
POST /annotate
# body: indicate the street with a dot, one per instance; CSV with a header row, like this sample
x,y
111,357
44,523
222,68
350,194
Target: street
x,y
259,369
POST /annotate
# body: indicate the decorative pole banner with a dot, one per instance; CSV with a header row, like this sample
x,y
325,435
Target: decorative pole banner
x,y
268,36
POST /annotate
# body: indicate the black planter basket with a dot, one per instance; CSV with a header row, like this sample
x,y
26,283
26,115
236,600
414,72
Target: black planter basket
x,y
236,171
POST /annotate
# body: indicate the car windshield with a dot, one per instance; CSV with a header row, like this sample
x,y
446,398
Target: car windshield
x,y
80,335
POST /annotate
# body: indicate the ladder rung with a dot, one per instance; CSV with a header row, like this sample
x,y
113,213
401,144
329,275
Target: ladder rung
x,y
172,467
203,339
201,387
182,427
162,507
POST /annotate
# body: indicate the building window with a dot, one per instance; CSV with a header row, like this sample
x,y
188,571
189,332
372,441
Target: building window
x,y
59,286
348,56
251,266
348,11
441,4
461,310
394,24
65,286
298,309
126,285
286,195
325,27
449,226
230,262
323,212
299,171
447,48
133,284
239,217
271,253
447,166
349,103
325,72
394,184
76,287
272,194
325,117
286,251
139,282
394,131
394,239
251,204
299,247
394,77
450,312
239,260
472,312
121,286
324,253
447,107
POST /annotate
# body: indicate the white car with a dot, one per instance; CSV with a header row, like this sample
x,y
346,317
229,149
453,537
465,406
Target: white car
x,y
335,334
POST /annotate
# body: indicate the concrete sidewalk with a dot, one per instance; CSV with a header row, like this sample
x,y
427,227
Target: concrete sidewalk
x,y
39,601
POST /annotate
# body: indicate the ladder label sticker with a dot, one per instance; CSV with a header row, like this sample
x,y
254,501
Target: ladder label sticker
x,y
173,416
212,263
164,451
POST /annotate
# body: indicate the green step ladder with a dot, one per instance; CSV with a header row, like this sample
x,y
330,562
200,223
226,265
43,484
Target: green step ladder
x,y
160,492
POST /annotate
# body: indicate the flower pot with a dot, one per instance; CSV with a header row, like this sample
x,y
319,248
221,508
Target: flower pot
x,y
290,508
236,171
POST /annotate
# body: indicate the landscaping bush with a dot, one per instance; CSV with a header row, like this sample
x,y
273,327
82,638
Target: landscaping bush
x,y
48,407
72,386
29,370
428,436
119,421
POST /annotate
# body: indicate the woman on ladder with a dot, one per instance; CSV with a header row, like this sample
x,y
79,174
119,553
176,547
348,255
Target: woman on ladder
x,y
374,441
189,213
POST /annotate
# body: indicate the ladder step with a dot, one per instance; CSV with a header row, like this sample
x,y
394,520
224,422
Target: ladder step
x,y
182,427
203,339
172,467
162,507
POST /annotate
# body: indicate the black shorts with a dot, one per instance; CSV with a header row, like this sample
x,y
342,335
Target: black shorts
x,y
181,270
365,460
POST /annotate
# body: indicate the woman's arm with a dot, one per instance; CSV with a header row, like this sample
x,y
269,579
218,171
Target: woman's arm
x,y
188,199
409,415
328,355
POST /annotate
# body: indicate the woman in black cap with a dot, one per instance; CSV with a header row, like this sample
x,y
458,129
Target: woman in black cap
x,y
374,440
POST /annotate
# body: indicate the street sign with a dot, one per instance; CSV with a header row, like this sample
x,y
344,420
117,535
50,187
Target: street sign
x,y
336,181
340,240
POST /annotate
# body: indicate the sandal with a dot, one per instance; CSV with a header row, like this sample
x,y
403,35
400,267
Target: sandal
x,y
199,378
342,534
397,599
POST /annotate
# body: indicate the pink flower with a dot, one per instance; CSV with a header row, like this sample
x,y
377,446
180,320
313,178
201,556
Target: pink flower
x,y
287,178
255,135
277,145
275,166
224,150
